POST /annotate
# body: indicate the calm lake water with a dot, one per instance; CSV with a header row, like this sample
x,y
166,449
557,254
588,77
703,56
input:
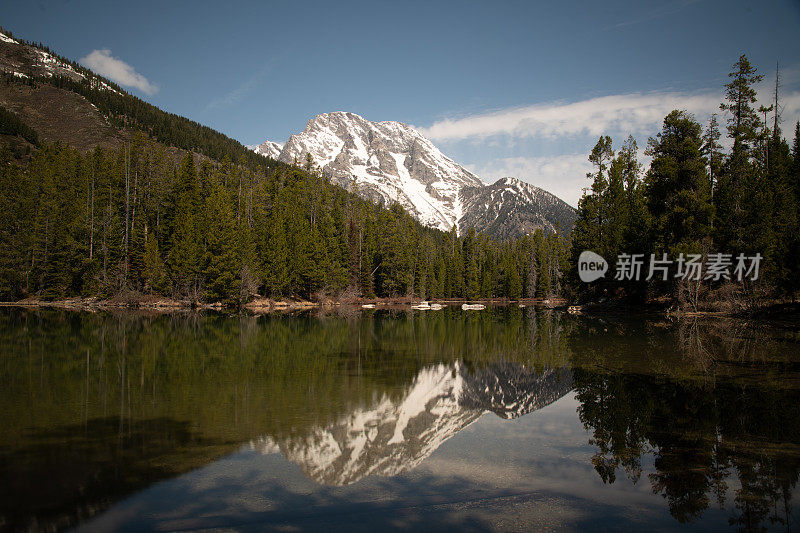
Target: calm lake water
x,y
503,419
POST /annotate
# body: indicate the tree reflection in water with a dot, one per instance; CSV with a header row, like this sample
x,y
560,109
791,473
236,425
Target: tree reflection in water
x,y
725,417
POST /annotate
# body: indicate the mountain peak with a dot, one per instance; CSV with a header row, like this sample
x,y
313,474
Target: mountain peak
x,y
510,207
391,162
269,149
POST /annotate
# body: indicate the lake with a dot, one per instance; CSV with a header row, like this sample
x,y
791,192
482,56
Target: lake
x,y
504,419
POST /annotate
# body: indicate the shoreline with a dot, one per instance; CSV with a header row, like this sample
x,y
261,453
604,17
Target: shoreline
x,y
262,305
787,313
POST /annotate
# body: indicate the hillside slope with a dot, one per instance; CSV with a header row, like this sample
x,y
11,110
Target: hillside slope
x,y
89,110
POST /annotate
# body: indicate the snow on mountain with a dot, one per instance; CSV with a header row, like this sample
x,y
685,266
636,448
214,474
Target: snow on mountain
x,y
509,207
269,149
387,438
24,61
394,435
389,161
6,39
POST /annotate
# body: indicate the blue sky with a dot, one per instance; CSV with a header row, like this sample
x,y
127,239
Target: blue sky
x,y
504,88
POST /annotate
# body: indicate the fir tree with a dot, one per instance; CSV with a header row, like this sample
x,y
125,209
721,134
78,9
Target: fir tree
x,y
222,258
153,272
738,175
677,185
186,253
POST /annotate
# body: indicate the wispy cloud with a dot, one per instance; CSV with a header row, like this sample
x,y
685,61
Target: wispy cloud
x,y
115,69
634,113
638,114
237,94
576,126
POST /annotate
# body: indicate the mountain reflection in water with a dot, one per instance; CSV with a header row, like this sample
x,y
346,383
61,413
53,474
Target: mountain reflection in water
x,y
394,436
599,423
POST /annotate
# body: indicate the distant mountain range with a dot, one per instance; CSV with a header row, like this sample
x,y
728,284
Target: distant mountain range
x,y
392,162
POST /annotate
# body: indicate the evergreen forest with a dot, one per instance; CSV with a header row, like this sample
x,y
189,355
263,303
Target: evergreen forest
x,y
699,198
134,221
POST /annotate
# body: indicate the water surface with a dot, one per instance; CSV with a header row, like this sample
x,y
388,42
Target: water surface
x,y
503,419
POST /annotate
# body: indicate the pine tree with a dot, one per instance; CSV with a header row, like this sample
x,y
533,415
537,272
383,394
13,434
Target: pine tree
x,y
369,264
791,239
488,270
222,258
136,255
186,253
455,266
543,286
740,95
16,199
738,174
589,229
637,218
677,185
396,260
533,264
154,275
440,270
712,151
471,272
248,274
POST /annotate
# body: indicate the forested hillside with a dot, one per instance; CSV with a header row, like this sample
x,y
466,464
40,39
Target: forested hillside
x,y
697,198
131,221
33,64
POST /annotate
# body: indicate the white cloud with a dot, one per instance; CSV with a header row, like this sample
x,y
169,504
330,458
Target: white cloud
x,y
102,62
576,126
634,113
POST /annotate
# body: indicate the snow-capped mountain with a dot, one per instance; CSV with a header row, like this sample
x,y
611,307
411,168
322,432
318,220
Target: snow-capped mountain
x,y
395,435
510,206
392,162
269,149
